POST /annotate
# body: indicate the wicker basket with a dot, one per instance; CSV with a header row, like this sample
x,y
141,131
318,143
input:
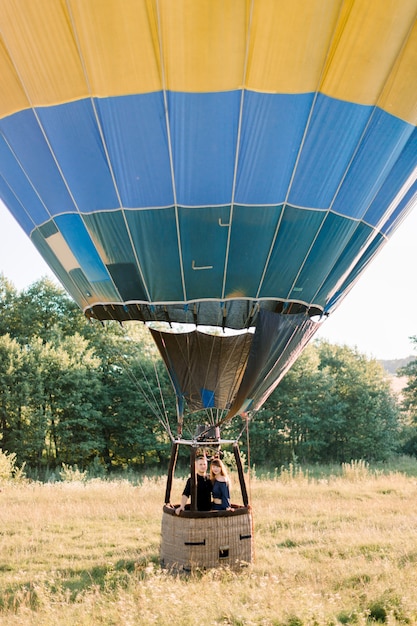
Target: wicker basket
x,y
197,539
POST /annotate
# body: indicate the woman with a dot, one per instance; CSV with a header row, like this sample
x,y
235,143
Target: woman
x,y
220,480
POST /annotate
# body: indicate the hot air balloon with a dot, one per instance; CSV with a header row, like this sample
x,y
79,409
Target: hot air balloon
x,y
221,164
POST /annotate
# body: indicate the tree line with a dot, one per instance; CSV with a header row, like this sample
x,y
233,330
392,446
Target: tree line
x,y
77,393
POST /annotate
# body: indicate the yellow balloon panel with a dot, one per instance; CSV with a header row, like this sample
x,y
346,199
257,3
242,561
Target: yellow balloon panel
x,y
367,42
119,44
40,42
204,44
360,51
289,42
399,96
12,98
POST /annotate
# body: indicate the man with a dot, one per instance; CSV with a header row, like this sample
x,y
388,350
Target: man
x,y
204,487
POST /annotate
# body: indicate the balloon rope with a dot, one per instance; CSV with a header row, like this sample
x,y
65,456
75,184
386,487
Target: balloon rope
x,y
246,427
149,395
249,474
155,408
163,403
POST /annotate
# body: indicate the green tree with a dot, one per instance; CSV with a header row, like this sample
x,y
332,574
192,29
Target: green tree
x,y
333,405
40,310
409,406
410,390
72,389
367,410
130,407
8,307
14,392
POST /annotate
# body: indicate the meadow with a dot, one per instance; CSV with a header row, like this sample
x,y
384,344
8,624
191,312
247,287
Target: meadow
x,y
333,548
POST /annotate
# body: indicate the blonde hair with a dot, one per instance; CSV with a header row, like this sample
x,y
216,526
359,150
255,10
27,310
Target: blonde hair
x,y
216,461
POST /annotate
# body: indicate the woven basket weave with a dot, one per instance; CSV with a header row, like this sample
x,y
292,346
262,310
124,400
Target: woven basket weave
x,y
206,539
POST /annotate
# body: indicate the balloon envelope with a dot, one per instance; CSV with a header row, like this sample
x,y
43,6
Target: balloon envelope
x,y
221,162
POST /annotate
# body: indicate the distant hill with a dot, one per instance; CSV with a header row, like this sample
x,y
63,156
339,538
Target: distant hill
x,y
391,366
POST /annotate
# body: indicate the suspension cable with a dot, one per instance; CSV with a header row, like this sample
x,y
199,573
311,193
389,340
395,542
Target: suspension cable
x,y
147,394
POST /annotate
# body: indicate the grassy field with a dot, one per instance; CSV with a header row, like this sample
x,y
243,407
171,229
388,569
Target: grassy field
x,y
336,549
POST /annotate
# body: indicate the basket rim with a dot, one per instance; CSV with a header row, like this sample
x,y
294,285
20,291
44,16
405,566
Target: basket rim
x,y
238,509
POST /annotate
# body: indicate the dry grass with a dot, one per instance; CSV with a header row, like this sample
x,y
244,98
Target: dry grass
x,y
328,551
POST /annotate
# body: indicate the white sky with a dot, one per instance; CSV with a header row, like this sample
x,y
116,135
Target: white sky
x,y
377,317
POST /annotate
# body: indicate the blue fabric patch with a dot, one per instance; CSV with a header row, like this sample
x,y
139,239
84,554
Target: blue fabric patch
x,y
207,398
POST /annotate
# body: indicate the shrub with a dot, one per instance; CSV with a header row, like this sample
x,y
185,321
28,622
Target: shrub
x,y
71,474
355,470
8,469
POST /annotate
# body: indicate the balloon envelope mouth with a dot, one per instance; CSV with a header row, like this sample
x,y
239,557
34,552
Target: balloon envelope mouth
x,y
178,328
